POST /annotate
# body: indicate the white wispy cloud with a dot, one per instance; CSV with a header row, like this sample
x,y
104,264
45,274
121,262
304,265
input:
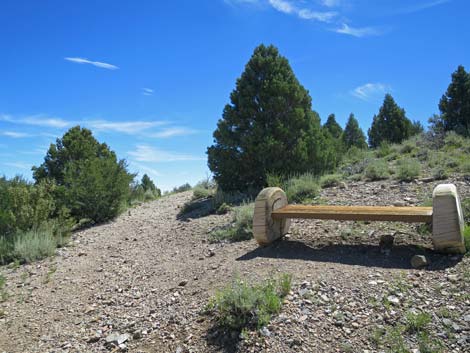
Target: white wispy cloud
x,y
18,165
331,3
37,120
99,64
147,91
152,172
422,6
288,7
15,134
357,32
127,127
370,91
146,153
173,131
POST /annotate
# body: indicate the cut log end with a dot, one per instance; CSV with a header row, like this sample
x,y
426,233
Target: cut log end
x,y
448,223
266,229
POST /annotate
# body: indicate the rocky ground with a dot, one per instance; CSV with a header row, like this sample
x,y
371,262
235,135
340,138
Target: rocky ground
x,y
141,283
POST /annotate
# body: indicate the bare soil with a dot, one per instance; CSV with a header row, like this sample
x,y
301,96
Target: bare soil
x,y
150,273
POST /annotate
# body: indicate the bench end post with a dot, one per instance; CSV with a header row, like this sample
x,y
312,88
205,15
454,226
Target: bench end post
x,y
265,228
447,220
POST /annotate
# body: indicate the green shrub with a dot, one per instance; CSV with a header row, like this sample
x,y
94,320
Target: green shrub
x,y
330,180
440,173
464,166
465,203
223,209
241,227
376,170
302,188
466,237
34,245
384,149
408,169
201,193
417,322
275,180
244,306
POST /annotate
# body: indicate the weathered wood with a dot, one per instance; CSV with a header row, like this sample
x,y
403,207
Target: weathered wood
x,y
356,213
266,229
448,223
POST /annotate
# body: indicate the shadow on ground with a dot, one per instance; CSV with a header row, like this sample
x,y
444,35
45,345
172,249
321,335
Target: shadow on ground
x,y
226,342
357,254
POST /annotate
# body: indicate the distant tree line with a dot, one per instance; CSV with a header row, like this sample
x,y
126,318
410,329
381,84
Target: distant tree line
x,y
269,125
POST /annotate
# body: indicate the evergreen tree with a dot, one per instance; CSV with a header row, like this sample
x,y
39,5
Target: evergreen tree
x,y
147,183
333,127
353,134
455,104
391,124
91,182
269,126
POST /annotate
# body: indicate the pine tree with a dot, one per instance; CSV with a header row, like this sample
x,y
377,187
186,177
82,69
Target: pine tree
x,y
455,103
333,127
390,125
269,127
353,134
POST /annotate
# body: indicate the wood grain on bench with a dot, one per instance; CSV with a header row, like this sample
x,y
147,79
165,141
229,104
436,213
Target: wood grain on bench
x,y
356,213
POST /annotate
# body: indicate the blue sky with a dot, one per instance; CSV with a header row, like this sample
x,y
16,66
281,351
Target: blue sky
x,y
151,78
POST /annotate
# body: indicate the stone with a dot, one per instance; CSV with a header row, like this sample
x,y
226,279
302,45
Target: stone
x,y
453,278
183,283
419,261
394,300
116,338
386,242
399,204
265,332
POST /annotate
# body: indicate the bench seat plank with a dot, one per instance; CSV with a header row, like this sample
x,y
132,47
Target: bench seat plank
x,y
356,213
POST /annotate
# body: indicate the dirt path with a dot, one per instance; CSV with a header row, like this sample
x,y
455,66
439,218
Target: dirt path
x,y
148,275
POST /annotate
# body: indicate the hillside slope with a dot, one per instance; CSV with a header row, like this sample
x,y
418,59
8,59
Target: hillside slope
x,y
149,275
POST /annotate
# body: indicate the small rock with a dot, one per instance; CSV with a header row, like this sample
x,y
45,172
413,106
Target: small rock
x,y
394,300
93,339
343,185
453,278
399,204
116,338
419,261
265,332
183,283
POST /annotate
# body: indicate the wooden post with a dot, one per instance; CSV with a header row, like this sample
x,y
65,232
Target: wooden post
x,y
266,229
447,220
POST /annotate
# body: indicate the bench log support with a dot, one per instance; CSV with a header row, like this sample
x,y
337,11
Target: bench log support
x,y
272,216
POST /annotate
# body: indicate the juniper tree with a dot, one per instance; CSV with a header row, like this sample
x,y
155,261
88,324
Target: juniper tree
x,y
353,134
268,127
390,125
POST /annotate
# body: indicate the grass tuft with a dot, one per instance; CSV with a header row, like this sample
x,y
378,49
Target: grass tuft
x,y
376,170
241,227
408,169
248,306
34,245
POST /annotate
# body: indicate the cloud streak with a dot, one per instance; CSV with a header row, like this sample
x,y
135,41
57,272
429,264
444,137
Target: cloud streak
x,y
146,153
14,134
173,131
357,32
422,6
289,8
147,91
99,64
370,91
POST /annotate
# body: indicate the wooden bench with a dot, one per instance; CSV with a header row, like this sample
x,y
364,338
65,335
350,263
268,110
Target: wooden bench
x,y
272,216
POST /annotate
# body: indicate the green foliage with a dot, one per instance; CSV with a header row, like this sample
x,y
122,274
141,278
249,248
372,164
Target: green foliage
x,y
466,237
181,188
34,245
384,149
417,322
333,127
408,169
302,188
455,104
201,193
91,182
241,227
391,124
330,180
223,209
244,306
353,134
269,126
376,170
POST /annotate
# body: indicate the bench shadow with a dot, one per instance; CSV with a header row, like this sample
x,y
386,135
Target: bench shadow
x,y
348,254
